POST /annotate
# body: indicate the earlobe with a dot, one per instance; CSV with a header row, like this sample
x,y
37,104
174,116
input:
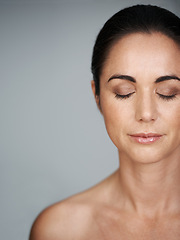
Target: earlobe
x,y
97,99
93,87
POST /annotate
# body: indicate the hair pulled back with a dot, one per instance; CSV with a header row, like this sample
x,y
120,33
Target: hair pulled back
x,y
138,18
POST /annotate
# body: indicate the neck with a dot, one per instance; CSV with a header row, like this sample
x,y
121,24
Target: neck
x,y
150,189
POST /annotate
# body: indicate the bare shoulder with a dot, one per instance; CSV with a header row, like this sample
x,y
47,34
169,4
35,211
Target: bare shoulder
x,y
64,220
72,218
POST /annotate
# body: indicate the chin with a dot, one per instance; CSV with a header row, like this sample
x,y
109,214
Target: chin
x,y
145,156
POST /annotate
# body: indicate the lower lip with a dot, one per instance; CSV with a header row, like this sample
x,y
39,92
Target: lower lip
x,y
145,140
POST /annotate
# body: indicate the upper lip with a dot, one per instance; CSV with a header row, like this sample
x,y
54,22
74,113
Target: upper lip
x,y
146,135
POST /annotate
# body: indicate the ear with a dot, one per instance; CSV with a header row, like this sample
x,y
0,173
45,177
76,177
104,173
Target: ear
x,y
97,99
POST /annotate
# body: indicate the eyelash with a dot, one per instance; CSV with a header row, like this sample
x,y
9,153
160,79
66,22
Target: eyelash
x,y
164,97
167,97
123,96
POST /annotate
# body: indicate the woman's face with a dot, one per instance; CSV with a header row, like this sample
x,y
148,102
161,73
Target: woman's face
x,y
140,97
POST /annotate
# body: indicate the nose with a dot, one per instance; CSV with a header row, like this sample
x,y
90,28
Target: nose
x,y
146,109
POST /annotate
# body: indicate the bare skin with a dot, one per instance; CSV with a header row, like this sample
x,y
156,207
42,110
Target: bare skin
x,y
97,214
141,199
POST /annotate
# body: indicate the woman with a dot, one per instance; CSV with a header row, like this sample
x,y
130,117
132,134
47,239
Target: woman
x,y
136,85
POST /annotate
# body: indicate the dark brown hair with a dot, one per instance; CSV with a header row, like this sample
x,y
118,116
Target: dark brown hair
x,y
138,18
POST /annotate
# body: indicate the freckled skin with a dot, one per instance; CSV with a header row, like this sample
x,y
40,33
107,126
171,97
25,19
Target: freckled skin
x,y
141,199
145,57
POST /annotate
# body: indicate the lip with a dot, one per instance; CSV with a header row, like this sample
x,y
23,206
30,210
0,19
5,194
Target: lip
x,y
146,138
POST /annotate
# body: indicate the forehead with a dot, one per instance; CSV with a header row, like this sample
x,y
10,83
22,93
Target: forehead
x,y
143,53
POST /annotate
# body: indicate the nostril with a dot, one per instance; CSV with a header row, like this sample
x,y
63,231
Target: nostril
x,y
146,113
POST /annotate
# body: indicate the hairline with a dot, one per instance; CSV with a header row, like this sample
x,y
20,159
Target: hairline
x,y
118,37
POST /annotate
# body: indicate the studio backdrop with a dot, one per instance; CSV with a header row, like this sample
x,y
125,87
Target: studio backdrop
x,y
53,141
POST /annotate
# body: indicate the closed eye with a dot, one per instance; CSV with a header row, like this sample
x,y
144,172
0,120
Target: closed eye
x,y
124,96
167,97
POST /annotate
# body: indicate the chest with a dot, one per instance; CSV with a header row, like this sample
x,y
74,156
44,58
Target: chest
x,y
126,228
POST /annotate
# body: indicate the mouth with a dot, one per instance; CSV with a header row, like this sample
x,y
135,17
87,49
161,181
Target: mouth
x,y
145,138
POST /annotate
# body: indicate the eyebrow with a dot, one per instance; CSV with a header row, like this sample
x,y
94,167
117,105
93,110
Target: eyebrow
x,y
125,77
131,79
165,78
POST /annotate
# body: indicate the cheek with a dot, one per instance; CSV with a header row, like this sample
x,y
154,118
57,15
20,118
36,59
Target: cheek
x,y
111,112
173,117
115,110
116,116
171,124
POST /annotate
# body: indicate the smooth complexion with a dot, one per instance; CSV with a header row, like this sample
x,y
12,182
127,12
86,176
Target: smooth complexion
x,y
140,103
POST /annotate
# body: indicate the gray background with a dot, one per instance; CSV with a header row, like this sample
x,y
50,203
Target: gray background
x,y
53,141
